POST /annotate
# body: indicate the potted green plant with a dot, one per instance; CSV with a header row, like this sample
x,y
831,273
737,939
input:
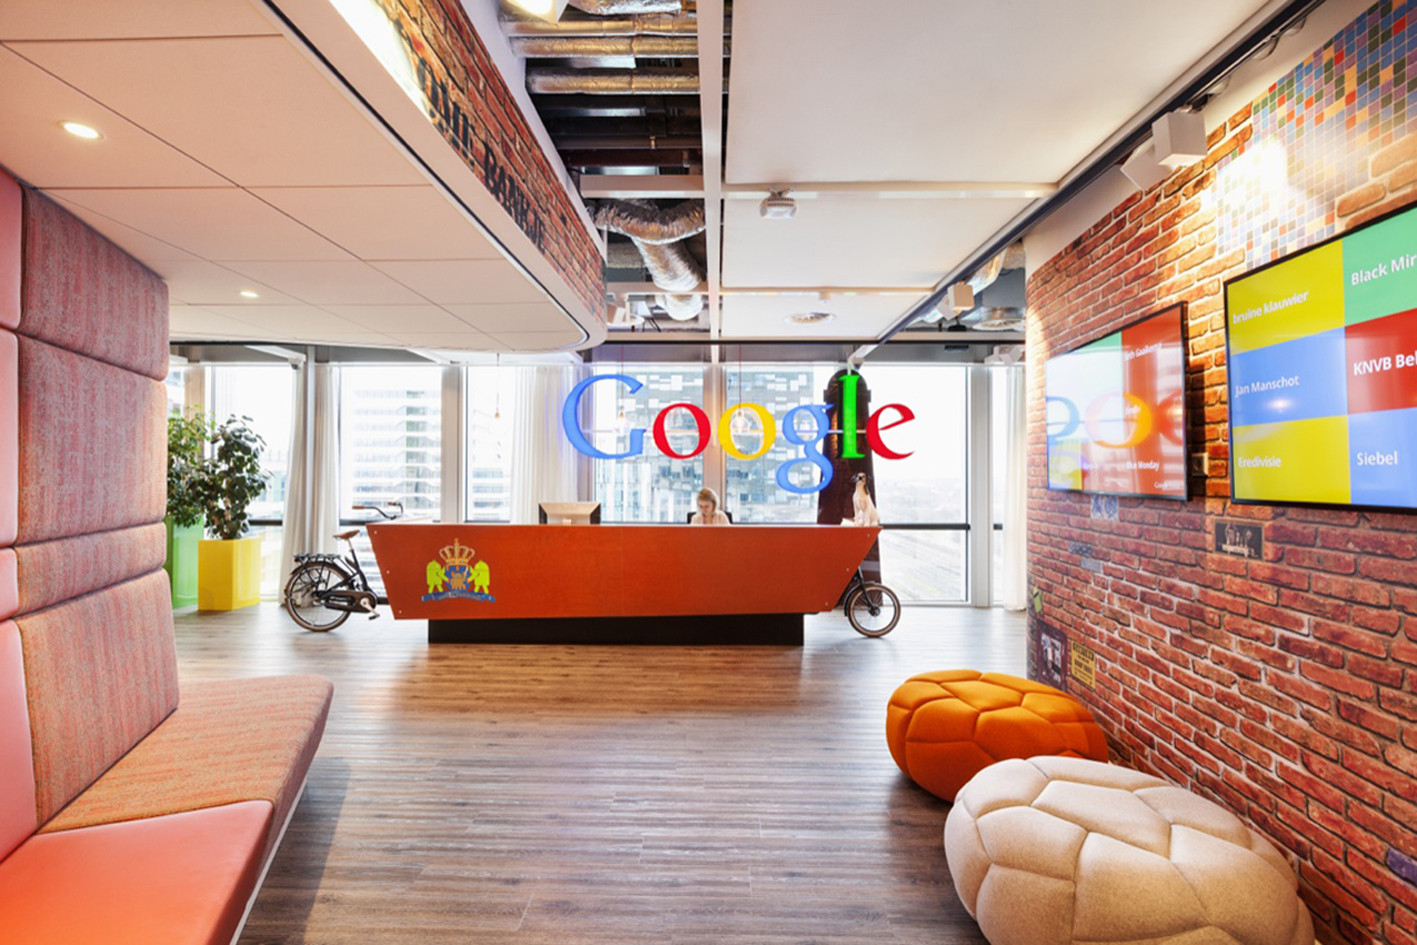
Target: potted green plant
x,y
185,520
229,572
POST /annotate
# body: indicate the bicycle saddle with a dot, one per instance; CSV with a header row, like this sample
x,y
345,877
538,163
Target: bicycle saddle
x,y
345,536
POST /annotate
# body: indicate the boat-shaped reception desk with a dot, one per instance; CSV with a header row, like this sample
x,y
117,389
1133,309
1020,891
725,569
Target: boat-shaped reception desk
x,y
616,583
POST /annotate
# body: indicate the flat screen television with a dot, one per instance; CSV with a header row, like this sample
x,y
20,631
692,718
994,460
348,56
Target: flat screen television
x,y
1322,354
1116,411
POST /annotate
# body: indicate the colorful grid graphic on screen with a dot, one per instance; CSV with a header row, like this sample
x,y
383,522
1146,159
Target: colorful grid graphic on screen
x,y
1323,372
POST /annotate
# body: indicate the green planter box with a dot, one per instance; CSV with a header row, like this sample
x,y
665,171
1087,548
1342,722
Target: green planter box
x,y
181,563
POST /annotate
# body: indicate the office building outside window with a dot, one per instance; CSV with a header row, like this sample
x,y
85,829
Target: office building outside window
x,y
391,441
650,487
490,410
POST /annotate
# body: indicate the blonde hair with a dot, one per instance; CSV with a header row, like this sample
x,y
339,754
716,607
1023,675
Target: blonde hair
x,y
708,495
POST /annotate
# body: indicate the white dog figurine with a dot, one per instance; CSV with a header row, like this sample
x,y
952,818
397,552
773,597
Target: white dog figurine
x,y
865,509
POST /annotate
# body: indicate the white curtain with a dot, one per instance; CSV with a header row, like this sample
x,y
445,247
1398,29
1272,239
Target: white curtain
x,y
1014,590
544,464
312,491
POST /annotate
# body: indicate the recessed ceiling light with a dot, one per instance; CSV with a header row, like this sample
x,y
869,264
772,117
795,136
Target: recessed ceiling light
x,y
248,294
80,131
810,318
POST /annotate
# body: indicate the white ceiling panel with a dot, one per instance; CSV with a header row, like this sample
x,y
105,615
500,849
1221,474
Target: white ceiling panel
x,y
249,229
944,90
462,282
385,222
291,321
466,338
765,316
138,245
198,282
192,322
251,108
855,241
329,283
32,105
107,19
511,316
400,318
538,340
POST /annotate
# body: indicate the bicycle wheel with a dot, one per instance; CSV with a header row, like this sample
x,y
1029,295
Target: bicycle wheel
x,y
873,610
302,600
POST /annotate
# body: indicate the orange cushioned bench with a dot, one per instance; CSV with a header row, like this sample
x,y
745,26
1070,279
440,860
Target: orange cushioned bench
x,y
132,810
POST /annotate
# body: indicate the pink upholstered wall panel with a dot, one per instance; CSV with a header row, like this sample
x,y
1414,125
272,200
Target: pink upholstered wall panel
x,y
54,571
87,295
101,672
9,435
9,585
93,445
17,814
11,249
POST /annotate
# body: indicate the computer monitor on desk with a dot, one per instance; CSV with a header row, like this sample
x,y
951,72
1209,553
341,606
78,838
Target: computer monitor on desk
x,y
570,513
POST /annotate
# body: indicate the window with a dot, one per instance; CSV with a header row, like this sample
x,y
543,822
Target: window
x,y
491,401
929,489
265,394
391,438
752,493
651,487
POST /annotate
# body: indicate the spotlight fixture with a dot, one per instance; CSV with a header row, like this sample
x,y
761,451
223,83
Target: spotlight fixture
x,y
549,10
80,130
1178,138
777,206
1143,170
249,294
810,318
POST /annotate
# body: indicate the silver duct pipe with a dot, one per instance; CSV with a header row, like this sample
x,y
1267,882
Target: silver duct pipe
x,y
606,47
647,24
658,235
603,82
646,222
627,7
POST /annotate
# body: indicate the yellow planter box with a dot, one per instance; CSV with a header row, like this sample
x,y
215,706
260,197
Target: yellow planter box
x,y
228,573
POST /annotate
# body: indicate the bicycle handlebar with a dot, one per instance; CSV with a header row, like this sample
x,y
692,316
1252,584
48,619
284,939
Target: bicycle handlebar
x,y
388,516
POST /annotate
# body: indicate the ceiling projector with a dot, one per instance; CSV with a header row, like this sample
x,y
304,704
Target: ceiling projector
x,y
777,206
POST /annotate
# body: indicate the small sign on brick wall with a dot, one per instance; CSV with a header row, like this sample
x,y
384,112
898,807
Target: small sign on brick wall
x,y
1244,539
1083,665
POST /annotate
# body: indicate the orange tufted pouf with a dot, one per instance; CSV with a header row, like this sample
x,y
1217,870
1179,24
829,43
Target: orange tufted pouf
x,y
943,728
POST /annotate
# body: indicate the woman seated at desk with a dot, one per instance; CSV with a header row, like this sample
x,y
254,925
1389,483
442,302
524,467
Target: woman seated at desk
x,y
709,513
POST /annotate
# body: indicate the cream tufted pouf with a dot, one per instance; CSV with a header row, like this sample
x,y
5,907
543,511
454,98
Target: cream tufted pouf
x,y
1050,851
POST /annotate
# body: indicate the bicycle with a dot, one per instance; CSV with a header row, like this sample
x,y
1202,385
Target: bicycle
x,y
324,589
872,608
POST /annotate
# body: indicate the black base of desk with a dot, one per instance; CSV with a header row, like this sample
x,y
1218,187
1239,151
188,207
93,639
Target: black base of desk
x,y
697,630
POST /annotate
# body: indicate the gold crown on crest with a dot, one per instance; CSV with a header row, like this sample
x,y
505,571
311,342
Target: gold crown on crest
x,y
456,553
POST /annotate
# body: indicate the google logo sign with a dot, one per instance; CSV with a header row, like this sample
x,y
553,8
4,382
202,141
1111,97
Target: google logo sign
x,y
808,440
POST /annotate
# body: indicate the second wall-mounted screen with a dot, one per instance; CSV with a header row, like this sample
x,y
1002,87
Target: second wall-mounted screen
x,y
1323,372
1116,411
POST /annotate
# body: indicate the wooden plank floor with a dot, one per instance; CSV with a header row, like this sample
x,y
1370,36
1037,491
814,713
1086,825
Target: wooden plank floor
x,y
525,795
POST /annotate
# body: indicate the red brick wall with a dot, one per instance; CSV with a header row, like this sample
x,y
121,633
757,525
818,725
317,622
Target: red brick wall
x,y
478,116
1281,687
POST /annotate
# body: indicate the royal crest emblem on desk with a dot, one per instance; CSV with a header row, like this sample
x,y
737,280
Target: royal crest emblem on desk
x,y
456,577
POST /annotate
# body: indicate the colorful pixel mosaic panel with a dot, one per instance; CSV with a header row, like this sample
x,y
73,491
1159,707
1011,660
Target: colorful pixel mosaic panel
x,y
1314,132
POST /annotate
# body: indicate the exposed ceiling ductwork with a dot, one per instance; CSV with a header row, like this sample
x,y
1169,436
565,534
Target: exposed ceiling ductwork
x,y
653,24
552,81
659,235
626,7
606,47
